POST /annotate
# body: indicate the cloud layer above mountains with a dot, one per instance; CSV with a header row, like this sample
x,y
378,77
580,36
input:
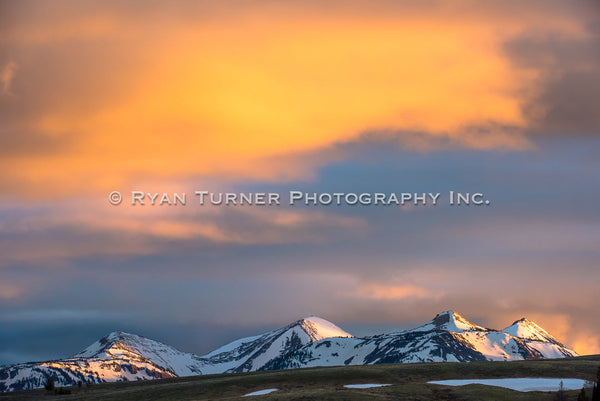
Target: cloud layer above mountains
x,y
384,96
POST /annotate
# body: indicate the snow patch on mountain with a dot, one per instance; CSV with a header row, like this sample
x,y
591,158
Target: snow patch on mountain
x,y
319,329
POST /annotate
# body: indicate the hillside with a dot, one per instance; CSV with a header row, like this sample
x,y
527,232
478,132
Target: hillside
x,y
409,382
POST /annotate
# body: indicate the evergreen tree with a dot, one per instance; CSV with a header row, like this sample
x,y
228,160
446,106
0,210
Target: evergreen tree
x,y
596,390
49,384
582,396
561,396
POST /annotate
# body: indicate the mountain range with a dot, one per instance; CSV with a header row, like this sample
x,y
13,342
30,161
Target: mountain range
x,y
308,342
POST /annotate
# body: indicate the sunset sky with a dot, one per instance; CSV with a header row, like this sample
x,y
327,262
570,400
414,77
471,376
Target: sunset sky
x,y
498,97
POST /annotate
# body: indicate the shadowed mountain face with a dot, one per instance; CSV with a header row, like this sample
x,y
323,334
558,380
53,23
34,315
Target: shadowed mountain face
x,y
307,342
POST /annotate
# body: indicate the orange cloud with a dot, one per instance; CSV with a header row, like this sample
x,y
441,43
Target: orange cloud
x,y
159,95
585,343
6,76
393,292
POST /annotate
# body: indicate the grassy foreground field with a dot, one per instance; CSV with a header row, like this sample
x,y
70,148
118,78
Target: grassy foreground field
x,y
408,383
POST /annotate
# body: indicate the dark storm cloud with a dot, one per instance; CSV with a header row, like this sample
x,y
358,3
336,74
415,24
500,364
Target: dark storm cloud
x,y
569,83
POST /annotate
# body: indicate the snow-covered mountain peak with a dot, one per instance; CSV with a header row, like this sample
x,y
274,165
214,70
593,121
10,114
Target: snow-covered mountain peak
x,y
123,345
524,328
120,334
318,328
450,321
117,340
119,345
250,353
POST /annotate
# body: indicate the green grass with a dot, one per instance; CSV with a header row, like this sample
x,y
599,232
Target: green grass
x,y
409,382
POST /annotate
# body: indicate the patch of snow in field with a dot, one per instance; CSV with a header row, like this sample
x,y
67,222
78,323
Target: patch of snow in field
x,y
368,385
520,384
260,392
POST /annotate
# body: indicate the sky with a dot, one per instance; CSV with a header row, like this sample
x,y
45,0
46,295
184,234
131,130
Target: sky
x,y
496,97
